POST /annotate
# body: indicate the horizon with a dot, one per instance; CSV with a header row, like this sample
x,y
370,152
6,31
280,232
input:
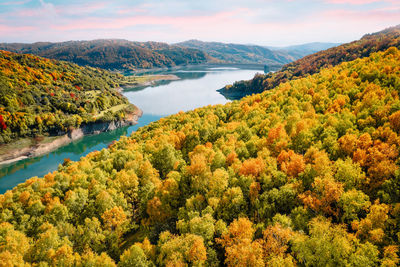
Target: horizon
x,y
256,22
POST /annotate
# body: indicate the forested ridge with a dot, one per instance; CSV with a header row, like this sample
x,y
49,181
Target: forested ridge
x,y
311,64
242,54
128,55
113,53
40,96
305,174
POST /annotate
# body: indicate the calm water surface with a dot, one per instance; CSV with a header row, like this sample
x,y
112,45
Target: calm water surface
x,y
196,88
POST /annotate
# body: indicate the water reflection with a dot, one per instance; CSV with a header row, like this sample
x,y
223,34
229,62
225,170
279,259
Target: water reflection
x,y
182,74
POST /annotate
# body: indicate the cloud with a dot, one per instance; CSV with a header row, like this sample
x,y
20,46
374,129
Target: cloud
x,y
82,9
130,21
371,15
360,2
14,3
45,10
47,6
5,29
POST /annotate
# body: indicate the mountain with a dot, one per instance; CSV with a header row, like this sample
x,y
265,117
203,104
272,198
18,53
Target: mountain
x,y
112,53
255,54
306,48
39,96
313,63
299,51
306,173
239,53
116,54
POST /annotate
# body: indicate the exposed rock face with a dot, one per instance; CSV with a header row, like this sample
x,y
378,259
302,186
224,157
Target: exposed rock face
x,y
96,128
66,138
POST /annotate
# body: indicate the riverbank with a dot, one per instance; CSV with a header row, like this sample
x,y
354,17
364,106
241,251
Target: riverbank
x,y
35,147
146,80
154,71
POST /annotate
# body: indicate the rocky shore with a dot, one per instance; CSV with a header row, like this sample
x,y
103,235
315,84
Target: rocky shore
x,y
66,138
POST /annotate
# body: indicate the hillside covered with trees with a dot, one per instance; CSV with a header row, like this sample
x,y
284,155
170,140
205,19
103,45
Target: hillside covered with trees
x,y
311,64
40,96
240,53
113,53
306,174
118,54
273,57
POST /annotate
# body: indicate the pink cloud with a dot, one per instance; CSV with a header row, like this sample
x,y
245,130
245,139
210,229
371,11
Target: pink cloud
x,y
359,2
131,10
119,23
137,9
14,3
5,29
378,14
82,8
60,10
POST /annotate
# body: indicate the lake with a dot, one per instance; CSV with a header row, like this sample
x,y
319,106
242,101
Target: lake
x,y
196,88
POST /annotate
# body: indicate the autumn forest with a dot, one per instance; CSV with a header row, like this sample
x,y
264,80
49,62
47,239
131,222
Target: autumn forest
x,y
304,173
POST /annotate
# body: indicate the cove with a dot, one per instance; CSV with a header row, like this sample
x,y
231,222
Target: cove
x,y
197,87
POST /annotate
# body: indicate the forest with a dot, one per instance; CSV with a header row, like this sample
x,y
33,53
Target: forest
x,y
242,54
40,96
113,54
305,174
311,64
117,54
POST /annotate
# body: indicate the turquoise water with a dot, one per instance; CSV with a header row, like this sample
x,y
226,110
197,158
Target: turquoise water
x,y
196,88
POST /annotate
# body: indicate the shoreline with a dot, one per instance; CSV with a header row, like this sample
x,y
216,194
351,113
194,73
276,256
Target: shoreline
x,y
40,149
255,66
146,80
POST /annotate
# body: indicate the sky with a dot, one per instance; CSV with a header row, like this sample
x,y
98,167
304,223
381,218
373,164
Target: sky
x,y
262,22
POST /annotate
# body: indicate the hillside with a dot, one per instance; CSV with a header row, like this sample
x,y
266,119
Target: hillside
x,y
112,54
274,57
307,173
125,55
39,96
241,54
310,64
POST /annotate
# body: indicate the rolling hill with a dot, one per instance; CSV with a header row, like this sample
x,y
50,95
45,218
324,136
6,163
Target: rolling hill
x,y
112,53
117,54
239,53
254,54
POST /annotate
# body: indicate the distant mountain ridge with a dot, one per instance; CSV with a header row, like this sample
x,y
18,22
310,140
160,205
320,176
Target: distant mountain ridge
x,y
113,53
249,53
308,47
299,51
239,53
118,54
